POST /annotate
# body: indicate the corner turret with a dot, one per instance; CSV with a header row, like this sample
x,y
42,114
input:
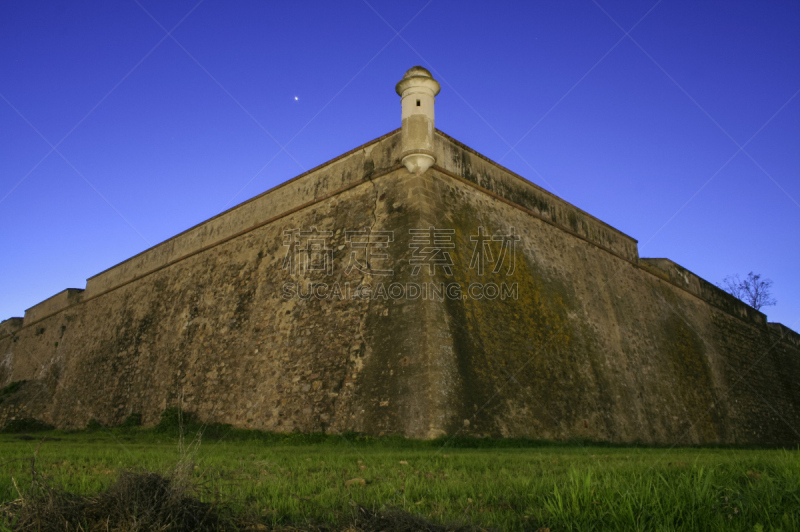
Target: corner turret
x,y
417,90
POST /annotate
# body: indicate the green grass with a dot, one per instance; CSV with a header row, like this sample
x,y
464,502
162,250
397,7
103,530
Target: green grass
x,y
506,485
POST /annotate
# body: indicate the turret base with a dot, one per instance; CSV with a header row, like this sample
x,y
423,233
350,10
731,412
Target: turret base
x,y
418,163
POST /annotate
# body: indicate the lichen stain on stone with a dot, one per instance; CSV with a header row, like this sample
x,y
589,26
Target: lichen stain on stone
x,y
511,352
694,387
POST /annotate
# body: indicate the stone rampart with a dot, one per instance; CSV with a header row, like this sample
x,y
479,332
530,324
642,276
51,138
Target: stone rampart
x,y
51,305
461,162
683,278
600,347
587,340
212,332
784,333
10,326
345,171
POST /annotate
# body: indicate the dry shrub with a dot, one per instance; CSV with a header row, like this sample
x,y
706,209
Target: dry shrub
x,y
137,501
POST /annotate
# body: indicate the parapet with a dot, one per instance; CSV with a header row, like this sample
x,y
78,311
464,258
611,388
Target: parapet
x,y
785,333
325,180
54,304
463,162
10,326
683,278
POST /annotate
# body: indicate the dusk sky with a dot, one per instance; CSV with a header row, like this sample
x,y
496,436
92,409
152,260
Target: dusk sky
x,y
123,123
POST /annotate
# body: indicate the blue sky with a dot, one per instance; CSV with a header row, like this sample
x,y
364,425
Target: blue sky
x,y
683,133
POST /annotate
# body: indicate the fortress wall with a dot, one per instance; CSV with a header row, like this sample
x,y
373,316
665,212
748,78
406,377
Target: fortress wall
x,y
594,344
213,332
341,172
761,382
597,347
9,326
786,334
61,300
462,161
683,278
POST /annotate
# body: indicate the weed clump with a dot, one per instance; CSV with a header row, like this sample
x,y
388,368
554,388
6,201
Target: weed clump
x,y
94,425
10,388
174,420
133,420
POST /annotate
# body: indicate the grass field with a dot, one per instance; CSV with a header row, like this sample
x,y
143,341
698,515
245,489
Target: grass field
x,y
505,485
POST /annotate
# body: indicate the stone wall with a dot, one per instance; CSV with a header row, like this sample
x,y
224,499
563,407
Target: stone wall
x,y
683,278
51,305
587,341
599,347
10,326
212,332
341,173
460,161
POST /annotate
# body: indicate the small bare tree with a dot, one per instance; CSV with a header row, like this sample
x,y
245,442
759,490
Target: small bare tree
x,y
753,290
